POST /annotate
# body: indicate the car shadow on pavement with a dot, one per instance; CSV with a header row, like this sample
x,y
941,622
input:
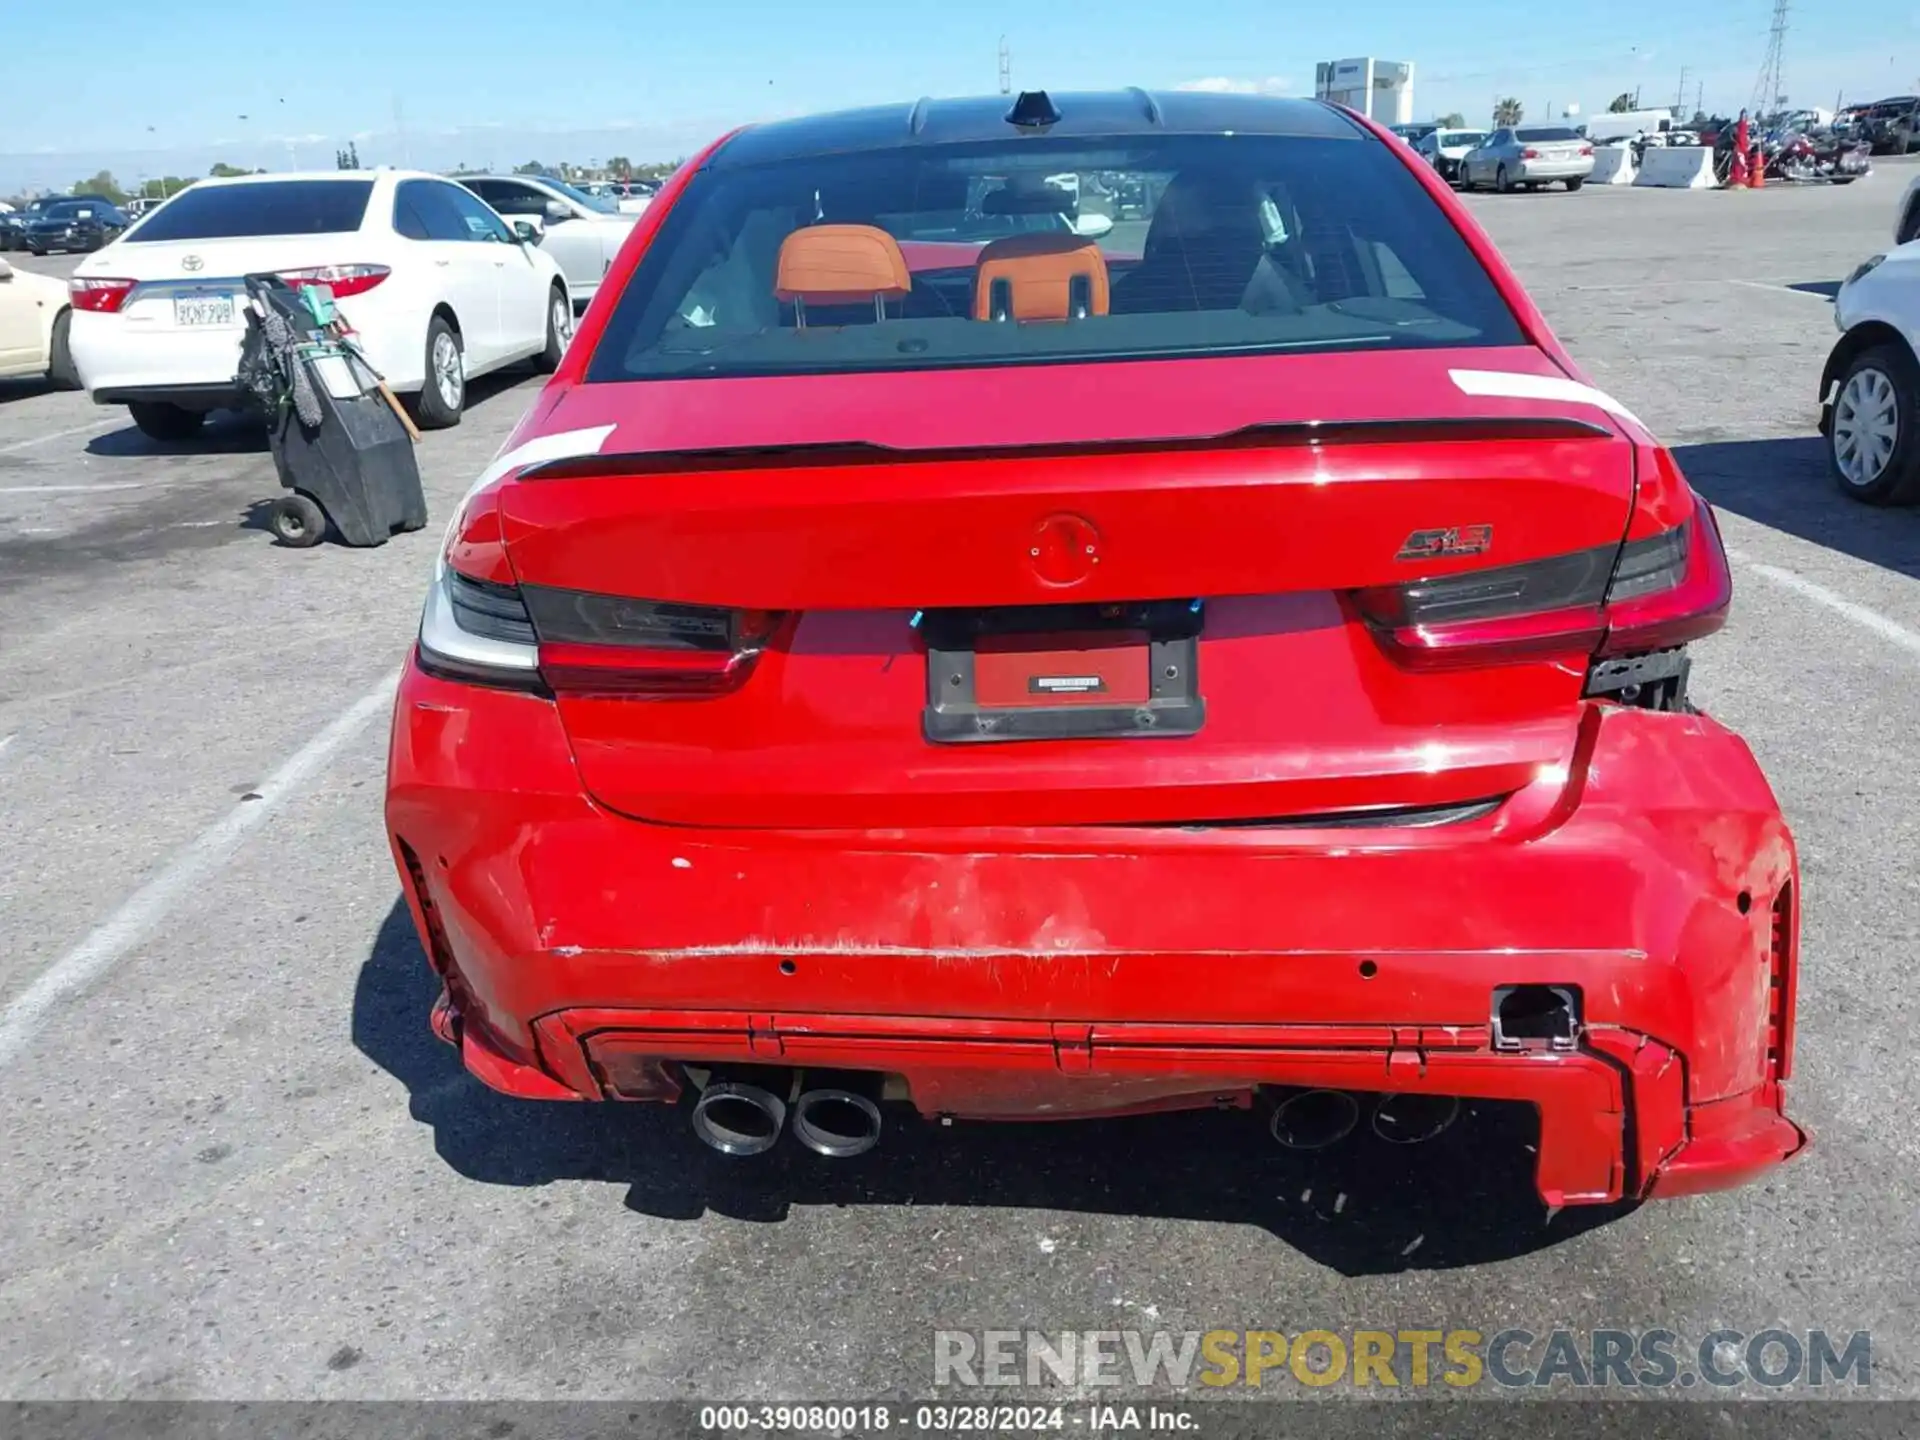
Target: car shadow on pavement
x,y
11,390
227,432
1363,1207
485,390
1784,484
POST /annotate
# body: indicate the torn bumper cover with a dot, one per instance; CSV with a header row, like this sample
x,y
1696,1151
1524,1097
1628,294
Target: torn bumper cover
x,y
1049,974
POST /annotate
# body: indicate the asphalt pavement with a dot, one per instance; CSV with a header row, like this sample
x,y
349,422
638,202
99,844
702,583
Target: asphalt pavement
x,y
236,1165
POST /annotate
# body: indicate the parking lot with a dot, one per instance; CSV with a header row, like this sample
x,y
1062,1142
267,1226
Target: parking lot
x,y
238,1164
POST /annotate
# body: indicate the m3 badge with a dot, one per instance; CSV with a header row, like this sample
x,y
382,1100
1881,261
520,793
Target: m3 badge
x,y
1448,544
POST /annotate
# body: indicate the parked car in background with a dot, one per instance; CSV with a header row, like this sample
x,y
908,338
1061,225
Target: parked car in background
x,y
1892,126
1625,125
1033,681
1527,157
67,226
582,232
34,327
1413,133
435,285
13,231
633,196
1870,388
1445,149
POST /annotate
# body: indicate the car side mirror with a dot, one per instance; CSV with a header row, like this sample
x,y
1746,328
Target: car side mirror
x,y
1092,226
557,211
527,232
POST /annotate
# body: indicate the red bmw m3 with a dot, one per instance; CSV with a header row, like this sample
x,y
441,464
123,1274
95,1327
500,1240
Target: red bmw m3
x,y
1085,605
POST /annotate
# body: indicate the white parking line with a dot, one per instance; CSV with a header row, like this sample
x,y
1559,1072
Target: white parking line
x,y
58,435
1889,630
1783,289
72,489
183,875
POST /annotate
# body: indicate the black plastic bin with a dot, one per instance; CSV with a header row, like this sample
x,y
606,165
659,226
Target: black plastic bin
x,y
356,468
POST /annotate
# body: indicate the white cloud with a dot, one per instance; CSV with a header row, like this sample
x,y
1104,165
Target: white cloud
x,y
1229,85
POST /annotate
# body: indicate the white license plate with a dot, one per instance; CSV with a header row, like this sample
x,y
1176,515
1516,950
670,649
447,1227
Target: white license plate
x,y
203,310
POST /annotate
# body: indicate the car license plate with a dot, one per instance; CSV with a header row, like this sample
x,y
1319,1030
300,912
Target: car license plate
x,y
203,310
1063,672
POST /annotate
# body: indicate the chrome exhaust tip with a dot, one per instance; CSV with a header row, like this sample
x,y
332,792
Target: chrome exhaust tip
x,y
1414,1119
837,1120
1314,1119
736,1117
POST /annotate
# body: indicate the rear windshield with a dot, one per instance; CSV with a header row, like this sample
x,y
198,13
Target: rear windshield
x,y
1463,137
1548,132
949,256
261,207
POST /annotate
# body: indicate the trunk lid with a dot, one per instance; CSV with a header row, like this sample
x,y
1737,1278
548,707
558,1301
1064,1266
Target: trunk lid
x,y
198,284
899,530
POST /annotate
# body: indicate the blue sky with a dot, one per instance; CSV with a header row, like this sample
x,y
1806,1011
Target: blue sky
x,y
488,81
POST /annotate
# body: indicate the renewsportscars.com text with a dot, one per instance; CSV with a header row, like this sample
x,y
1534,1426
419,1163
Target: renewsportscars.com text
x,y
1460,1359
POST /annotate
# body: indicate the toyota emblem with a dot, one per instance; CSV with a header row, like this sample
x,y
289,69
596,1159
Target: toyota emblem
x,y
1064,549
192,262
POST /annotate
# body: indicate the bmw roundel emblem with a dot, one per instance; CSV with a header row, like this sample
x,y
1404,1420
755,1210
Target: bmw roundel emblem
x,y
192,262
1064,549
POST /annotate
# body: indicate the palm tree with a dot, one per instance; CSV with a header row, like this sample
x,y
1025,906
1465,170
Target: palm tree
x,y
1508,112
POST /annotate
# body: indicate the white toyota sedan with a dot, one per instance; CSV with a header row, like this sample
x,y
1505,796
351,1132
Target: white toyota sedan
x,y
436,286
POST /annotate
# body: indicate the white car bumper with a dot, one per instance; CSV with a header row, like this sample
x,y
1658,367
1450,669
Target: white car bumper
x,y
142,355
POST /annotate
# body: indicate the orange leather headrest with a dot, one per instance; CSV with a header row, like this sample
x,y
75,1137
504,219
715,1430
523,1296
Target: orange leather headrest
x,y
840,265
1039,271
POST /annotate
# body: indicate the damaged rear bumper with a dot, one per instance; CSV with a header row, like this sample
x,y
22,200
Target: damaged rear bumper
x,y
1053,974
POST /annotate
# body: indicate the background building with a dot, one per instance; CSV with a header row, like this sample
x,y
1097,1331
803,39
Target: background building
x,y
1380,89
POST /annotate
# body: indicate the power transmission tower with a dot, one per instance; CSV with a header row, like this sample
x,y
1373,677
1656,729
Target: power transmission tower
x,y
1006,67
1766,90
1680,96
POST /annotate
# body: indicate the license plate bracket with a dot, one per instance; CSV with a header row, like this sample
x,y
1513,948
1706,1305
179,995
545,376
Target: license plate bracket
x,y
1064,672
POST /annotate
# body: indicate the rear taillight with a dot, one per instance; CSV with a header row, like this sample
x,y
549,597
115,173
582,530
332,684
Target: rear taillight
x,y
481,628
342,280
1660,589
615,645
479,632
1669,589
103,296
1586,150
1529,154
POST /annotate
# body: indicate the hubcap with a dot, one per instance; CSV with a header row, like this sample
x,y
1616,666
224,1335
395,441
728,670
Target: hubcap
x,y
1866,426
447,375
562,321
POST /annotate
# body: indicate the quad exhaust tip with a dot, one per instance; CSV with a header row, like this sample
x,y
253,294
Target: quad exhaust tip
x,y
737,1117
1314,1119
1412,1119
836,1121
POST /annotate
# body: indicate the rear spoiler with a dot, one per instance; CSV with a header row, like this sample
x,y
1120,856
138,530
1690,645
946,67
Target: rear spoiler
x,y
835,454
